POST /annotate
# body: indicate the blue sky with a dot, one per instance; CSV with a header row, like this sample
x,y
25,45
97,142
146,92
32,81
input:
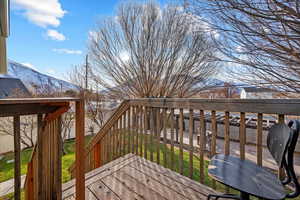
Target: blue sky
x,y
51,35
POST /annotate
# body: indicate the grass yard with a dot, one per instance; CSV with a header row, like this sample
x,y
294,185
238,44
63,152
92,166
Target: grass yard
x,y
7,169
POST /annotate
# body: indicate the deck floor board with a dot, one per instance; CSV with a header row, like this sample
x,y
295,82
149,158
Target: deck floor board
x,y
134,178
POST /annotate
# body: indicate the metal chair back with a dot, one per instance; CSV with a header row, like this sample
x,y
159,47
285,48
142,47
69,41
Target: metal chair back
x,y
281,142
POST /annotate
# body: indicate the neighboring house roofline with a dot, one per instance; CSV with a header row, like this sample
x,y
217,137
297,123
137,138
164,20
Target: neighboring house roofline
x,y
12,86
257,90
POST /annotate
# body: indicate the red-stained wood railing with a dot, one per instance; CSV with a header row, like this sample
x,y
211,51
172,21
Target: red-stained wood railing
x,y
107,144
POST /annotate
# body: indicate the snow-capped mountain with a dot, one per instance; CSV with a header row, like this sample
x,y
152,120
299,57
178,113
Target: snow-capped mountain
x,y
33,79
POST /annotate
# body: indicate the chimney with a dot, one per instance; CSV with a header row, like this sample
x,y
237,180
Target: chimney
x,y
4,33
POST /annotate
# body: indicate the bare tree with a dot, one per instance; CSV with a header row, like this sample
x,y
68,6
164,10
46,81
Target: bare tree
x,y
27,127
95,102
97,110
27,124
229,90
261,36
78,76
67,122
148,51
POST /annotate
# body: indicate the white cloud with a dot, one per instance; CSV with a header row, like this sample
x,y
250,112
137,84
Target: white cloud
x,y
199,24
67,51
41,12
29,65
55,35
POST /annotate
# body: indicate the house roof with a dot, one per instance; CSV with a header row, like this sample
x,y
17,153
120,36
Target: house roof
x,y
12,86
256,89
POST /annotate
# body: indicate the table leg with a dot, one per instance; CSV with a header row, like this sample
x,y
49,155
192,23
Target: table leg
x,y
223,196
245,196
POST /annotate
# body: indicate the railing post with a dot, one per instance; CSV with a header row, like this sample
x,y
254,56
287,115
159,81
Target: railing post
x,y
202,144
59,153
157,134
259,148
242,135
146,128
29,192
97,153
134,112
164,121
172,157
191,145
17,147
151,132
80,171
177,129
227,139
129,130
40,168
214,130
181,122
124,134
227,134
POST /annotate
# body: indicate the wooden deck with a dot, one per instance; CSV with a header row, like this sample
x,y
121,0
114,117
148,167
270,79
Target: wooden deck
x,y
134,178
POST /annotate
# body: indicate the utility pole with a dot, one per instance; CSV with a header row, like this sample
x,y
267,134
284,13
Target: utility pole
x,y
86,71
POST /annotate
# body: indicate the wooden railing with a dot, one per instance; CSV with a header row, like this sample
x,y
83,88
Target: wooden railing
x,y
92,153
147,127
43,179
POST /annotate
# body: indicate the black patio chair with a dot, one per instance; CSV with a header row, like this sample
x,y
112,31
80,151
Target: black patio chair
x,y
251,179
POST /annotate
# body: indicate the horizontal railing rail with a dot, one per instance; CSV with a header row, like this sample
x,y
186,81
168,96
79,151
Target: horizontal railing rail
x,y
266,106
154,128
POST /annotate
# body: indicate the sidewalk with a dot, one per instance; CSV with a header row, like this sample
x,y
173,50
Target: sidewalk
x,y
268,160
7,187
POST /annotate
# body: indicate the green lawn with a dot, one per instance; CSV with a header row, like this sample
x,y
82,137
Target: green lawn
x,y
7,169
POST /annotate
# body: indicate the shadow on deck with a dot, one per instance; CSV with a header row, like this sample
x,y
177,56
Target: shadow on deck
x,y
133,178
